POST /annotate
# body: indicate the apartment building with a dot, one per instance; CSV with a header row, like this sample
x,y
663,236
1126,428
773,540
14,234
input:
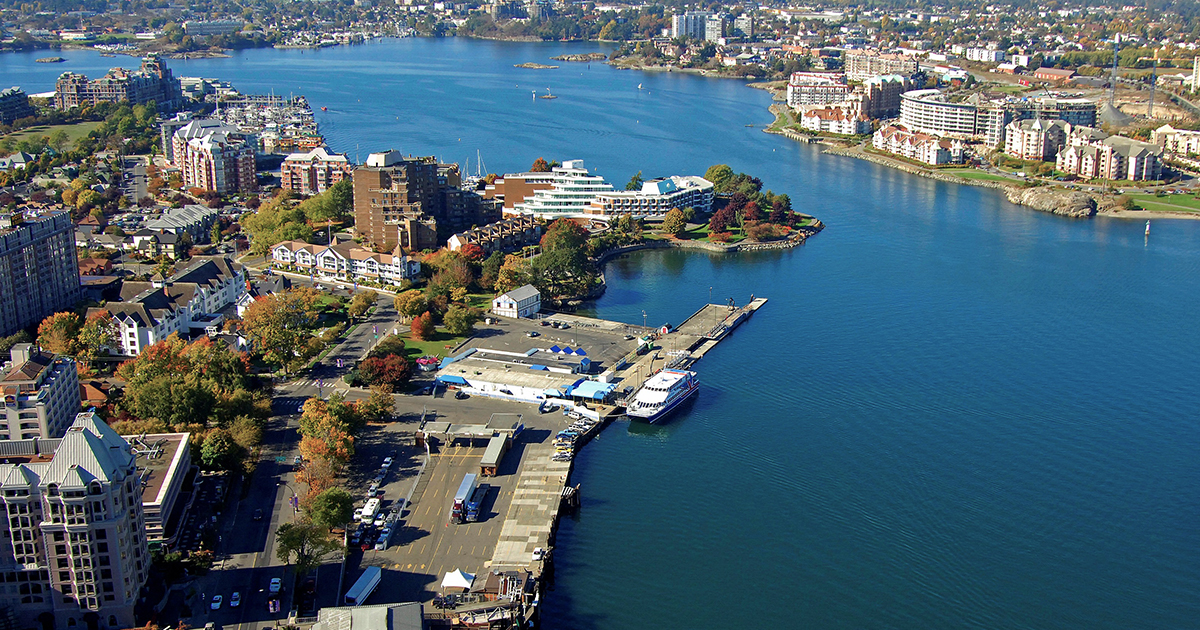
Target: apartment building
x,y
39,270
344,262
513,188
693,24
401,201
1093,154
205,28
881,95
1180,141
816,88
929,111
314,172
14,104
985,55
507,235
187,303
194,220
861,65
1036,139
214,156
837,120
656,198
73,553
922,147
41,394
152,82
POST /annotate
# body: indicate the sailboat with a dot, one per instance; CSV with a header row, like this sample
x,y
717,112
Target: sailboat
x,y
1147,228
639,86
547,94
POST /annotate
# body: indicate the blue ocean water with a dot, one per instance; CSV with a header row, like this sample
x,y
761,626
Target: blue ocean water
x,y
952,413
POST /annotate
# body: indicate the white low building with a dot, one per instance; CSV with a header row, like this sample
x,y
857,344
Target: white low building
x,y
837,120
520,302
345,263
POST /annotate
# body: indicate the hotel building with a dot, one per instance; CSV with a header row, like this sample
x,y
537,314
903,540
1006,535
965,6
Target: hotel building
x,y
74,552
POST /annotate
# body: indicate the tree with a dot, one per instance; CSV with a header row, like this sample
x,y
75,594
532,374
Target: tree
x,y
304,545
99,331
674,223
460,320
721,220
8,342
215,235
562,272
635,182
58,332
218,451
512,274
361,302
380,405
490,269
341,196
332,508
472,252
410,303
422,327
278,325
540,166
564,234
389,370
719,175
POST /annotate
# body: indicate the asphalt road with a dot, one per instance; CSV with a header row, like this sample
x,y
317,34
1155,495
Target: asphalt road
x,y
136,182
246,549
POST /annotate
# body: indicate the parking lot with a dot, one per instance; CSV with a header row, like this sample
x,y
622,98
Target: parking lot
x,y
426,545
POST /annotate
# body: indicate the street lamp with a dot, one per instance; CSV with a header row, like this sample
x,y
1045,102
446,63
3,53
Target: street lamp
x,y
643,319
710,295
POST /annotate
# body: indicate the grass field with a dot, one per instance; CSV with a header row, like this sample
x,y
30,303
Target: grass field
x,y
970,173
436,346
74,132
1169,203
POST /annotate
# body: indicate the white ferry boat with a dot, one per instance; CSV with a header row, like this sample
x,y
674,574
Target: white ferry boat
x,y
661,394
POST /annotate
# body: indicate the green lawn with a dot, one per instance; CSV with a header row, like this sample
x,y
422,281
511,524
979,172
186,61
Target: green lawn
x,y
1168,203
436,346
970,173
74,132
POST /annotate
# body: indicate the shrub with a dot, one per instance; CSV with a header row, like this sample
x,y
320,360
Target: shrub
x,y
720,237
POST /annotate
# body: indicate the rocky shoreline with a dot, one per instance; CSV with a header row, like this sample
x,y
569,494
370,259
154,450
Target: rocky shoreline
x,y
586,57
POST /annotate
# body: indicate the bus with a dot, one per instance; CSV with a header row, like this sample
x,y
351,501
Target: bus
x,y
458,510
365,585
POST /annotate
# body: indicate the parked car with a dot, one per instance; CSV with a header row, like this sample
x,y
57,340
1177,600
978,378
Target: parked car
x,y
235,600
273,605
533,333
460,395
538,554
387,462
276,585
380,520
258,515
216,602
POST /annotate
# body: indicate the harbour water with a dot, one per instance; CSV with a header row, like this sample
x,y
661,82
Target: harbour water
x,y
952,413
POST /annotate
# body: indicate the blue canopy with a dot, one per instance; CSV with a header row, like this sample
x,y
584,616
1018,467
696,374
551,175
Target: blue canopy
x,y
580,352
593,389
555,348
567,349
452,379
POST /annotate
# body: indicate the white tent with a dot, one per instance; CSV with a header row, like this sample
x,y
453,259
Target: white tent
x,y
457,579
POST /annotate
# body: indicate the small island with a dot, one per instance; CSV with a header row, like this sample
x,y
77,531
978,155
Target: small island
x,y
535,66
50,60
582,57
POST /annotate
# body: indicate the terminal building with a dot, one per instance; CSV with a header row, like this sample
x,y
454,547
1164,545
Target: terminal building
x,y
535,376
